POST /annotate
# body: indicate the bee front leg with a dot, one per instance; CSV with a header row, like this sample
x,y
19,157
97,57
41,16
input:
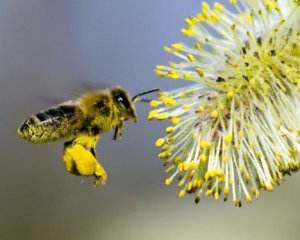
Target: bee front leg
x,y
119,131
80,161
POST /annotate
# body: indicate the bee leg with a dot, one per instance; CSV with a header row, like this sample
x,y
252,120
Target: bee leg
x,y
118,131
80,161
115,134
100,174
68,160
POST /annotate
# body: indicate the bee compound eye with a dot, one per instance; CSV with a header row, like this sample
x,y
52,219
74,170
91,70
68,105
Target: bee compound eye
x,y
120,99
123,100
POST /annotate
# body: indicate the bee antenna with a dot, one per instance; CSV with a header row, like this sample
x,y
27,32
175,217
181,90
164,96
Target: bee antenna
x,y
144,93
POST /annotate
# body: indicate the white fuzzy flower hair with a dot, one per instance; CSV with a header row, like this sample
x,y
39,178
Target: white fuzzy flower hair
x,y
236,130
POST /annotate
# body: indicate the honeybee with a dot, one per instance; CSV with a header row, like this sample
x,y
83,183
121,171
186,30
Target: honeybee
x,y
81,123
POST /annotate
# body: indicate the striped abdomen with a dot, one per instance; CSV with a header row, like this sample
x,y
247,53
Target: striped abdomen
x,y
51,125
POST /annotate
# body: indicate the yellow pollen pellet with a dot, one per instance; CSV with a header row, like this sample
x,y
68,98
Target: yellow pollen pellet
x,y
199,183
160,67
172,64
216,15
159,142
257,194
213,173
218,6
187,76
270,4
249,18
177,160
168,181
181,194
219,173
170,129
173,74
205,6
201,17
188,22
216,195
188,32
228,138
194,165
189,187
183,95
221,107
208,192
163,94
235,202
226,190
195,183
198,46
205,144
230,94
252,82
160,73
154,103
185,107
152,114
170,140
181,183
185,166
164,147
162,116
195,20
167,49
203,158
279,155
163,155
177,46
170,169
269,187
180,167
201,109
214,114
175,120
191,58
200,72
169,102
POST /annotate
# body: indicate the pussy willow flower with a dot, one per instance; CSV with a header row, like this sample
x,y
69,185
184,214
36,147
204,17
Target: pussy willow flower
x,y
237,129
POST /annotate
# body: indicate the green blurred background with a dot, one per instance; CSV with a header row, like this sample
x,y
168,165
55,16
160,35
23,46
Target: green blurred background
x,y
46,48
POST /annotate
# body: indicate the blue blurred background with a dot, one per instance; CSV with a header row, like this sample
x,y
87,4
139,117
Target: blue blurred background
x,y
46,48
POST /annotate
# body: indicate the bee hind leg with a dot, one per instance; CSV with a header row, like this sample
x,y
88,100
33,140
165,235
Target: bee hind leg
x,y
80,161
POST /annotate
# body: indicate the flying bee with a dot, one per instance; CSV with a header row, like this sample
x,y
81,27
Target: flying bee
x,y
81,123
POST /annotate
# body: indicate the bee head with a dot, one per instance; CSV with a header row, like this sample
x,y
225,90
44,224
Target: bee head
x,y
124,103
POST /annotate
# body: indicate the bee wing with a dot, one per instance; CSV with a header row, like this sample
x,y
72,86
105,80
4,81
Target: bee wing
x,y
51,101
78,88
81,87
